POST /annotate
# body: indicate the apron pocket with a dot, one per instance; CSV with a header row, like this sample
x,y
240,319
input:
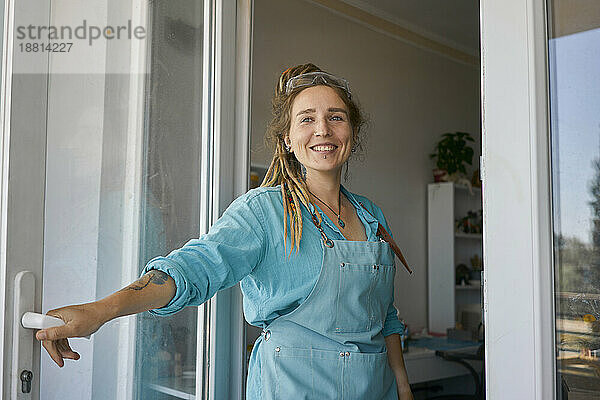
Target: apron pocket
x,y
369,376
353,311
364,292
307,373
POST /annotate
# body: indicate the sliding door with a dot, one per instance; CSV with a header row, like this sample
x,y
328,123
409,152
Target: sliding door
x,y
518,281
574,65
111,155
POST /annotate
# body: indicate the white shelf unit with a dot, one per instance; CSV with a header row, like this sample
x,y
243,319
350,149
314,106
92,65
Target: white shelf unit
x,y
446,249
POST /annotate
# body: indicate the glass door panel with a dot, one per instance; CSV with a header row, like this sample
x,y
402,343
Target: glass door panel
x,y
123,186
166,347
574,48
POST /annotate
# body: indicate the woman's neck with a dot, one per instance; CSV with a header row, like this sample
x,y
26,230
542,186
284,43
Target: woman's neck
x,y
326,187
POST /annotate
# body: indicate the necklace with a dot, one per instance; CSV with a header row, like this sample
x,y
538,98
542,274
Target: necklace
x,y
338,214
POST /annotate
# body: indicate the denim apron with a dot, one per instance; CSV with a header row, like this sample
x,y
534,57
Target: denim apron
x,y
331,345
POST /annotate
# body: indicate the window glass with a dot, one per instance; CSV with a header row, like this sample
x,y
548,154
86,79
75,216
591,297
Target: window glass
x,y
574,62
122,187
166,346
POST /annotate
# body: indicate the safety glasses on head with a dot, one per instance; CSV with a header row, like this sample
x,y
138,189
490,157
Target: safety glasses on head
x,y
317,78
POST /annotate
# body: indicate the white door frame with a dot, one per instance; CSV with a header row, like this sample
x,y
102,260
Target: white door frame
x,y
518,282
22,178
229,179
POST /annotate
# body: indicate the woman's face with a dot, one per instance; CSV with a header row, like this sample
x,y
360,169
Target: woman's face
x,y
320,133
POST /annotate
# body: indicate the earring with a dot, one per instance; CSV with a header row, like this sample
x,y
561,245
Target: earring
x,y
303,171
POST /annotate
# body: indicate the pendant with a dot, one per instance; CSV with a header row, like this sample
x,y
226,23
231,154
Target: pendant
x,y
341,223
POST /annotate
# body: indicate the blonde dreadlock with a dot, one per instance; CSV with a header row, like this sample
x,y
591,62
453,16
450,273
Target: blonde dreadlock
x,y
285,170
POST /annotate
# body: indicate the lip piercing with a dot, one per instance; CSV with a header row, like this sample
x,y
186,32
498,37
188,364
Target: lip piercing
x,y
324,157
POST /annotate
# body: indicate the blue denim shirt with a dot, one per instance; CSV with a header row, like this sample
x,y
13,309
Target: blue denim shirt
x,y
246,245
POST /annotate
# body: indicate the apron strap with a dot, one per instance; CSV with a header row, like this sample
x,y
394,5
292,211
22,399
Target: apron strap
x,y
382,233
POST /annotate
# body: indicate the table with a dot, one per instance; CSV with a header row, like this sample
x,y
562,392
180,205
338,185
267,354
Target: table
x,y
422,365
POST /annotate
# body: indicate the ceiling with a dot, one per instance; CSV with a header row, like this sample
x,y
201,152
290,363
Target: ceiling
x,y
452,22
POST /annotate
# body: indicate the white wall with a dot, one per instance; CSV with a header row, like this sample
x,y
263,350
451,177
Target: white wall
x,y
412,96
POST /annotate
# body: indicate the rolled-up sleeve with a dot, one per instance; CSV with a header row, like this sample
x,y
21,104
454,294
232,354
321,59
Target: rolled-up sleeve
x,y
392,323
232,248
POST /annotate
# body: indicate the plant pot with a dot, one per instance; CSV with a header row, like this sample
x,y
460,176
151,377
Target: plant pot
x,y
440,175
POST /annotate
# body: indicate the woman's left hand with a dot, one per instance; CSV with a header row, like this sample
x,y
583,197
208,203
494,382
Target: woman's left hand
x,y
405,393
396,360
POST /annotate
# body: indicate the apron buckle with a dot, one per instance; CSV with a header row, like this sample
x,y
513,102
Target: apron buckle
x,y
266,334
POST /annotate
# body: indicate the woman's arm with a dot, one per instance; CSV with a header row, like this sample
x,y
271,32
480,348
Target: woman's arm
x,y
189,275
396,361
153,290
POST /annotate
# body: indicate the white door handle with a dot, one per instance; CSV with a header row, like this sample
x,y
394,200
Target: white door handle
x,y
23,342
32,320
22,354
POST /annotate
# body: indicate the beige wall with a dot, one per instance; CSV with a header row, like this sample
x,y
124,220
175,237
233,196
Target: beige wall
x,y
411,95
573,16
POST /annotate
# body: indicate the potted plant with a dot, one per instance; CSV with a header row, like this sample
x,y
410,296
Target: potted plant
x,y
452,153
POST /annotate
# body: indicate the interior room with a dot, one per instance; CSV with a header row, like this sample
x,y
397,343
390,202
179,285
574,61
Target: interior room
x,y
414,67
126,156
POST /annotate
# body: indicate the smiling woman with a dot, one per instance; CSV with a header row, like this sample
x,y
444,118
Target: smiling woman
x,y
294,116
329,327
320,130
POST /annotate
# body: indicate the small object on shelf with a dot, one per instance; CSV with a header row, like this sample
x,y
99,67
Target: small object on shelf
x,y
476,262
462,274
471,223
476,266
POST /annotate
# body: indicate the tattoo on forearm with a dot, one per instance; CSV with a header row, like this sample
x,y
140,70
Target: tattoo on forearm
x,y
156,277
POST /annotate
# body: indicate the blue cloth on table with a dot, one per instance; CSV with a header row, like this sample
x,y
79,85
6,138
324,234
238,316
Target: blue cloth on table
x,y
442,343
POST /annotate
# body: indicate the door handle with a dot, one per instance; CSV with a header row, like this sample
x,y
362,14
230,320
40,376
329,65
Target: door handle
x,y
32,320
22,339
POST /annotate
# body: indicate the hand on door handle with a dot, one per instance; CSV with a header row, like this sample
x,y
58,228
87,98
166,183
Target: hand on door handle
x,y
63,323
33,320
155,289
